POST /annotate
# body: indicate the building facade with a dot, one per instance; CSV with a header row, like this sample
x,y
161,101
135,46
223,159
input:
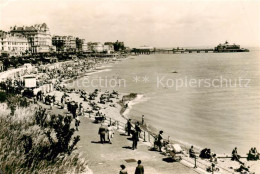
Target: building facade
x,y
15,44
85,47
96,47
38,36
70,43
109,47
64,43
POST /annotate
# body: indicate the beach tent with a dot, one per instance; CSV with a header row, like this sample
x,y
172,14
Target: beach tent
x,y
36,90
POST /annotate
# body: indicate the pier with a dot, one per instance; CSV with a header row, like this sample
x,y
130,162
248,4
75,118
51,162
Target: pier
x,y
170,51
221,48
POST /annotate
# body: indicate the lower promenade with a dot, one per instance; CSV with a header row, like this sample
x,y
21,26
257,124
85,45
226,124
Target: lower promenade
x,y
107,158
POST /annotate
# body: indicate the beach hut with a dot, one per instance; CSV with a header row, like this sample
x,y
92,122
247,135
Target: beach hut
x,y
43,89
47,88
51,87
29,81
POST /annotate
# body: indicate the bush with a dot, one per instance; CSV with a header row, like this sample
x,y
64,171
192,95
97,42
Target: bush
x,y
59,133
3,97
14,101
38,143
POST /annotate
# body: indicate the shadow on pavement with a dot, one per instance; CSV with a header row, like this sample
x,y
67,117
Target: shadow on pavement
x,y
153,149
127,147
124,135
168,160
99,142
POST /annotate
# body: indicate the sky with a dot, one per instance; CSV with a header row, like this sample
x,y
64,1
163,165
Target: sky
x,y
159,23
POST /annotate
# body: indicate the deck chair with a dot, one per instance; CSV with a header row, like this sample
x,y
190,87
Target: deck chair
x,y
175,157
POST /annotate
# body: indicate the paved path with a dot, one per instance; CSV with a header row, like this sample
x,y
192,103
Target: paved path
x,y
107,158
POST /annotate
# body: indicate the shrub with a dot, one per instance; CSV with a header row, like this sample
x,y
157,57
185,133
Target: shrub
x,y
14,101
3,97
35,142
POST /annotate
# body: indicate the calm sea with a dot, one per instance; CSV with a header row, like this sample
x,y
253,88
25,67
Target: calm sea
x,y
205,99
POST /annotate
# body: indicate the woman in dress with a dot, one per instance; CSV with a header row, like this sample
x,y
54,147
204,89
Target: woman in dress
x,y
110,133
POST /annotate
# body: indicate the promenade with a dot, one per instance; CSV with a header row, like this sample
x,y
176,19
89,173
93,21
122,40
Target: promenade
x,y
107,158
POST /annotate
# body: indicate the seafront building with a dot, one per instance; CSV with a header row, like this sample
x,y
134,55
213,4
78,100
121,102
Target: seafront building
x,y
15,44
64,43
85,47
98,47
38,36
109,47
70,43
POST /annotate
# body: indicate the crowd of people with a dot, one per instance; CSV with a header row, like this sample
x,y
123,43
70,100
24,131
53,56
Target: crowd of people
x,y
69,70
206,154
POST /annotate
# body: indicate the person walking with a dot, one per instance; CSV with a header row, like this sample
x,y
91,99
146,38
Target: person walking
x,y
140,168
110,133
73,108
102,133
129,125
80,109
61,100
76,107
51,105
142,119
160,140
135,139
77,122
123,169
138,129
